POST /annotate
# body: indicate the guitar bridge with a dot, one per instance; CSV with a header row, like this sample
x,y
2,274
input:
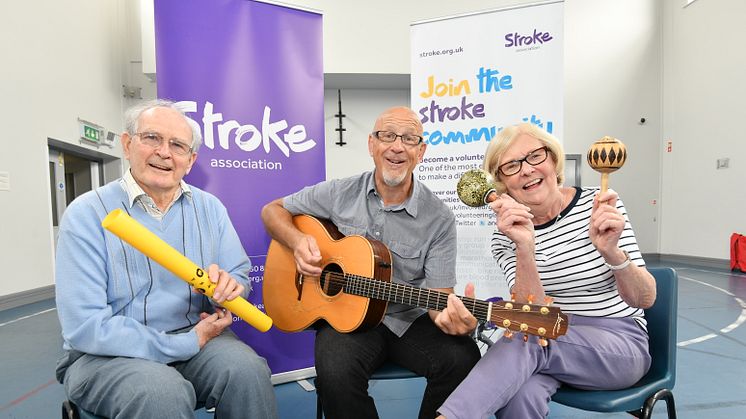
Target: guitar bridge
x,y
299,284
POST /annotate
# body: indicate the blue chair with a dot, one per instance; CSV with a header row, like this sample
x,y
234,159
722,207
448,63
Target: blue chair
x,y
387,371
657,384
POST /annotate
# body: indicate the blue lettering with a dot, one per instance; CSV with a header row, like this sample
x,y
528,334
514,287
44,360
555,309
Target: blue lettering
x,y
437,137
489,80
536,121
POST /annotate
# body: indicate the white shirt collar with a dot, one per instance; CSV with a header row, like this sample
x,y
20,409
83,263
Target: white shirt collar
x,y
136,194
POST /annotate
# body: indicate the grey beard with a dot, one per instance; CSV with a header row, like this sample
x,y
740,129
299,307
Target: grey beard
x,y
393,181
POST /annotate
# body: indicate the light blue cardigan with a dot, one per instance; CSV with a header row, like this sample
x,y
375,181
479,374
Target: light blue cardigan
x,y
114,301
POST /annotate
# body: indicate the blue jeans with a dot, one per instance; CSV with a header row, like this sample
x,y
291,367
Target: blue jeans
x,y
225,374
345,362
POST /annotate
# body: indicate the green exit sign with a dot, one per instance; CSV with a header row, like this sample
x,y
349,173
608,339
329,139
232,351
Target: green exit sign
x,y
91,134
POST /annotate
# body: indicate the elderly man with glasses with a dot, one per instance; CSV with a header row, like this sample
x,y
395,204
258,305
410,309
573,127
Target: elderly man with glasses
x,y
139,342
390,205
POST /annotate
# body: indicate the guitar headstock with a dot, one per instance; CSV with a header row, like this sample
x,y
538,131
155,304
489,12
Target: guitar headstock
x,y
544,321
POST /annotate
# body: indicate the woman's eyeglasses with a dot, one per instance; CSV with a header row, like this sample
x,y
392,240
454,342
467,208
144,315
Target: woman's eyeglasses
x,y
533,158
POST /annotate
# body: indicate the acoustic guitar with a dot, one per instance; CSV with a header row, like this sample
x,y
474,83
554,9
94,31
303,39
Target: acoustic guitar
x,y
355,287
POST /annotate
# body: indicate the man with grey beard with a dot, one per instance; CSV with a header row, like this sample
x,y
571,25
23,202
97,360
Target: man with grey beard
x,y
389,205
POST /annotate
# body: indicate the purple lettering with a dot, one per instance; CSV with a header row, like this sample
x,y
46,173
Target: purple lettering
x,y
517,40
466,110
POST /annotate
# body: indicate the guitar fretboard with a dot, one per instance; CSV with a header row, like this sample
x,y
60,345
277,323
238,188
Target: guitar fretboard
x,y
406,294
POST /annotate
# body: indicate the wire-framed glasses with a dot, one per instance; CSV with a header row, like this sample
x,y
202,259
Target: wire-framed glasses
x,y
406,139
153,139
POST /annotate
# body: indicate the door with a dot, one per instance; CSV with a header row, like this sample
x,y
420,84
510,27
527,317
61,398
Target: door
x,y
70,176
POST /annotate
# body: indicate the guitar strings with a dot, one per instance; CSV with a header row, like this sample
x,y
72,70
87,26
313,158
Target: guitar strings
x,y
367,286
438,299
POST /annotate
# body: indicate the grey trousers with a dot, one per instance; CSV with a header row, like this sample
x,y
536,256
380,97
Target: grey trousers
x,y
516,379
226,374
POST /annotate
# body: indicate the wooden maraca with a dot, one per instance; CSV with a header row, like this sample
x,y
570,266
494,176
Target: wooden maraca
x,y
605,156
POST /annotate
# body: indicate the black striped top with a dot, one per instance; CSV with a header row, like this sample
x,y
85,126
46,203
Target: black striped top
x,y
572,271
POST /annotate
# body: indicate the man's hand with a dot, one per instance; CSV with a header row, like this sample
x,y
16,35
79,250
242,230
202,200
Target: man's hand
x,y
212,325
456,319
307,255
227,288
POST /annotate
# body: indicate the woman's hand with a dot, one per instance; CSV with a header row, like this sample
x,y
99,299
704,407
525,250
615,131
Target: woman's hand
x,y
514,219
607,224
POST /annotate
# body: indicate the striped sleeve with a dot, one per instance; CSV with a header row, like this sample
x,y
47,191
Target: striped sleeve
x,y
571,270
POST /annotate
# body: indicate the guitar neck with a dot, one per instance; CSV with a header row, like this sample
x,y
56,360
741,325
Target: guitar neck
x,y
543,321
409,295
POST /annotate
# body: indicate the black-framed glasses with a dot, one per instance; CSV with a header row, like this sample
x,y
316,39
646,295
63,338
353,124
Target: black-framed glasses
x,y
153,139
533,158
406,139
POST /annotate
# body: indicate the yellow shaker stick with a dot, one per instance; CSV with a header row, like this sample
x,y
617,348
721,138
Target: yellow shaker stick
x,y
142,239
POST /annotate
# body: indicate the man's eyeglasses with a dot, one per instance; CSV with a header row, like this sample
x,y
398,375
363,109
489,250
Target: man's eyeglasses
x,y
406,139
153,139
533,158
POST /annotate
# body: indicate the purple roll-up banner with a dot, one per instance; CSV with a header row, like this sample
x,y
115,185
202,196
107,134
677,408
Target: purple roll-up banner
x,y
251,75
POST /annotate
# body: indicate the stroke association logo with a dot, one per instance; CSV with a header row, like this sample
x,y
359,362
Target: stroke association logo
x,y
523,42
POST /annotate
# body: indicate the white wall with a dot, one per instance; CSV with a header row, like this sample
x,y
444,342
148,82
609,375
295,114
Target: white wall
x,y
61,61
612,79
373,36
75,55
703,93
360,107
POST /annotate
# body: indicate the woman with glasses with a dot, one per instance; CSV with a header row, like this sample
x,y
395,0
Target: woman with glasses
x,y
576,247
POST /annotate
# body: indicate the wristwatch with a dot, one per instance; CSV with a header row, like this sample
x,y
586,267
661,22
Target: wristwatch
x,y
622,265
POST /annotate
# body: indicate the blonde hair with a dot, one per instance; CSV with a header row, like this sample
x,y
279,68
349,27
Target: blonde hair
x,y
507,136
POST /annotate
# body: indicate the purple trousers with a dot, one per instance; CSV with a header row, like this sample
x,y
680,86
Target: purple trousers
x,y
517,379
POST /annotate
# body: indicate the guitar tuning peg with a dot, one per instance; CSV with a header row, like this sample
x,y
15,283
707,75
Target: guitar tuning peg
x,y
548,301
543,342
530,299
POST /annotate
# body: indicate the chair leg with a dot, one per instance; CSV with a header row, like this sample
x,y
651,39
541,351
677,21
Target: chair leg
x,y
69,410
647,409
319,409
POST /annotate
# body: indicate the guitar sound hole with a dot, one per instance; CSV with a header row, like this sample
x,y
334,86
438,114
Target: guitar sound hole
x,y
332,280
